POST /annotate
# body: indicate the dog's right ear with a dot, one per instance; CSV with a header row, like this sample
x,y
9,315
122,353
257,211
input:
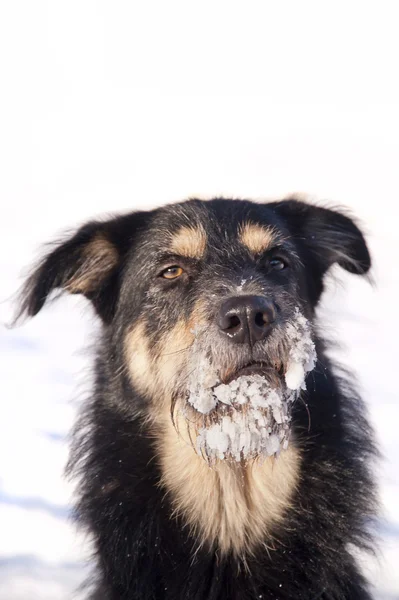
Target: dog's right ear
x,y
88,263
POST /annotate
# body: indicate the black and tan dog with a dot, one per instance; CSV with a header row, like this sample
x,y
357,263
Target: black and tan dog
x,y
217,458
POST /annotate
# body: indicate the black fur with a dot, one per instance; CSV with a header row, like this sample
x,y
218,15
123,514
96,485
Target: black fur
x,y
141,552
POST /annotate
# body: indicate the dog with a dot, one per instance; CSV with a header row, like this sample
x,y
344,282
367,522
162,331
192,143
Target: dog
x,y
221,456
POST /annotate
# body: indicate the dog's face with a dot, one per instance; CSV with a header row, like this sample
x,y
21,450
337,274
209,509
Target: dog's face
x,y
209,306
220,306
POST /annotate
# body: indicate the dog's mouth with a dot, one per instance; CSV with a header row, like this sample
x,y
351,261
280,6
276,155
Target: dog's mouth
x,y
272,373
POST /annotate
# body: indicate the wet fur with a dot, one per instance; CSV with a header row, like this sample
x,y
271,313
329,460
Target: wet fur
x,y
149,544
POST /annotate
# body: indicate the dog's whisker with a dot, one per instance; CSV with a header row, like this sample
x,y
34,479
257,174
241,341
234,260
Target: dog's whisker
x,y
180,351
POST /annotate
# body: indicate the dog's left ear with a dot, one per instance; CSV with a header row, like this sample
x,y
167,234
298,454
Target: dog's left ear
x,y
327,236
90,262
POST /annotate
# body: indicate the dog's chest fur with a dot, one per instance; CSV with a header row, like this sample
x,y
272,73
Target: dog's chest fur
x,y
229,506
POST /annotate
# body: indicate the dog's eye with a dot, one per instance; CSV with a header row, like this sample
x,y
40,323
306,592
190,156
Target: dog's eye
x,y
172,272
277,264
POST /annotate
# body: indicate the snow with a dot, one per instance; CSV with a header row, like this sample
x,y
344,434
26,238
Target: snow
x,y
302,352
257,430
96,119
203,400
295,375
202,381
240,436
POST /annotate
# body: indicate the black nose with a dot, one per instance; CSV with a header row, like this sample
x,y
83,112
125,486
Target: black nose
x,y
246,319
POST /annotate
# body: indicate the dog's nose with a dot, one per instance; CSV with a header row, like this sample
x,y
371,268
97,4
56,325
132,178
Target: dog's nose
x,y
246,319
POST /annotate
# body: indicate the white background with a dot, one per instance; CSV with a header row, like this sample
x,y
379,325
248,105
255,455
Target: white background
x,y
109,106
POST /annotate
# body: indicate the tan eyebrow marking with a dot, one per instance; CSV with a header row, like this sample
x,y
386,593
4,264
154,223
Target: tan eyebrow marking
x,y
256,238
189,241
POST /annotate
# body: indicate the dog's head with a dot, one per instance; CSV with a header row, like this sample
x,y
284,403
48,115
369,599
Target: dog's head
x,y
208,309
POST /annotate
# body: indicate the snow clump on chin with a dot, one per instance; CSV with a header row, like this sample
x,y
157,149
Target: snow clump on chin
x,y
252,418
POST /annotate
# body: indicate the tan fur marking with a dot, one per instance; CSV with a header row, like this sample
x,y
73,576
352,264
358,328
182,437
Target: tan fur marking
x,y
172,353
153,372
139,361
255,237
228,504
173,348
189,241
99,258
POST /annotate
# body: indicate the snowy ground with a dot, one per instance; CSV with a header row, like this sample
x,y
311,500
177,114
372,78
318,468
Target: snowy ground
x,y
106,109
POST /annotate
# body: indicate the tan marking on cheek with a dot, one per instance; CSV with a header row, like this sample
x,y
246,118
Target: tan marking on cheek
x,y
174,349
256,237
154,372
139,361
189,241
99,257
172,355
230,506
199,317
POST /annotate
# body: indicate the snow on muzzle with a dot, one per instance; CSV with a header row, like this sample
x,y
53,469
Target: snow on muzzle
x,y
249,417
